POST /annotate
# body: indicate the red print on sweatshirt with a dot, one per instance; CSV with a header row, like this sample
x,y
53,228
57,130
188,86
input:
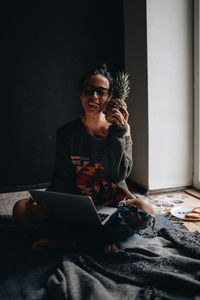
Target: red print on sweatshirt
x,y
91,182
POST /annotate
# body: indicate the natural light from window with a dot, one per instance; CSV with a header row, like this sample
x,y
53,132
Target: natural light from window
x,y
196,177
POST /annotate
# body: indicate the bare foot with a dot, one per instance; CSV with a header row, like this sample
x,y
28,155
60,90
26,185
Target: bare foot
x,y
110,248
53,244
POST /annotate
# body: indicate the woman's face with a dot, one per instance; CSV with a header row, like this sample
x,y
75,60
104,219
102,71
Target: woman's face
x,y
95,94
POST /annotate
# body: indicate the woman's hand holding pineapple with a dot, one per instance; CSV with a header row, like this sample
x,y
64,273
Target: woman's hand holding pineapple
x,y
120,117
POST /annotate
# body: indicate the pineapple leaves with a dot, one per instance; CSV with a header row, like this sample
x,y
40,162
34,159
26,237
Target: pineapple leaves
x,y
121,88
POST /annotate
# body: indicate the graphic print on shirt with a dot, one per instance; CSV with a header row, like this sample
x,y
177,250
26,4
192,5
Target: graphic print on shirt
x,y
91,182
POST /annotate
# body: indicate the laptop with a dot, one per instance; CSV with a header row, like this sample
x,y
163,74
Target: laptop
x,y
72,208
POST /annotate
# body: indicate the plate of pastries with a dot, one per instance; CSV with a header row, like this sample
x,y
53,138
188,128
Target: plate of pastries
x,y
190,213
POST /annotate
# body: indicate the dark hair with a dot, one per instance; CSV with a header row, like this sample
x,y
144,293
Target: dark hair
x,y
100,70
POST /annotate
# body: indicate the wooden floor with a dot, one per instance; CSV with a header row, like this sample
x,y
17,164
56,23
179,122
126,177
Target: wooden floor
x,y
190,198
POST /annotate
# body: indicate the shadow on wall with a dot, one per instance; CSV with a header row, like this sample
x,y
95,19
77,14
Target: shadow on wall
x,y
46,48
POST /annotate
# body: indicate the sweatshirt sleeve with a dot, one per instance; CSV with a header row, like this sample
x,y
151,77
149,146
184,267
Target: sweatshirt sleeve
x,y
117,159
63,175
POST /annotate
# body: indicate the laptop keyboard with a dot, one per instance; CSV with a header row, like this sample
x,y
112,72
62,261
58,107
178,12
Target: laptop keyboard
x,y
102,216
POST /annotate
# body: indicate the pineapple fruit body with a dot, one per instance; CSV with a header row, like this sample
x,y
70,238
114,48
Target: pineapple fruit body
x,y
113,103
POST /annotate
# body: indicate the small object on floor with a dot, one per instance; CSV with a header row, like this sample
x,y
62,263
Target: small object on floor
x,y
193,215
196,210
185,213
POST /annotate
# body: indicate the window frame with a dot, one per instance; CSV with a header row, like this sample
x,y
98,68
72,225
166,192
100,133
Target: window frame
x,y
196,175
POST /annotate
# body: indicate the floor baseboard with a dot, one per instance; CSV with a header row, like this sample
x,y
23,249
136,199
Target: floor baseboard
x,y
140,189
168,190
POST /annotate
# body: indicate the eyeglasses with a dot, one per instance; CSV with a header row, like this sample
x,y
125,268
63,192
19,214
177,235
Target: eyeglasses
x,y
101,92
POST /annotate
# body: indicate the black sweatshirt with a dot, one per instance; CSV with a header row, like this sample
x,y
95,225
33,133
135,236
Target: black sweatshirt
x,y
91,166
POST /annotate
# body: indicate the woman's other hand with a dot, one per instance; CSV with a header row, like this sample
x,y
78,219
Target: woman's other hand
x,y
25,210
142,204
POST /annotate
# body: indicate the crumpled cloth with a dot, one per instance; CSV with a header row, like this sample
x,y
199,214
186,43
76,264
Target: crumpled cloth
x,y
165,267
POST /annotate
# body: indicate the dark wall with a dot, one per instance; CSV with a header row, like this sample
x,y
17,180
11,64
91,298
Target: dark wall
x,y
45,48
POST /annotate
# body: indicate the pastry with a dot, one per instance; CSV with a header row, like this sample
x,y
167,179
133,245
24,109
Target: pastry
x,y
196,210
192,215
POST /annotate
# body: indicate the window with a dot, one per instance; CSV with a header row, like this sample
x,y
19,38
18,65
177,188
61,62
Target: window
x,y
196,177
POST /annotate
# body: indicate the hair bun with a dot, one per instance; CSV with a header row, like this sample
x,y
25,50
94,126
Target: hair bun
x,y
103,66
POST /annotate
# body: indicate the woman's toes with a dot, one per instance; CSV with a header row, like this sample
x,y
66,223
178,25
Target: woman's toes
x,y
110,248
40,244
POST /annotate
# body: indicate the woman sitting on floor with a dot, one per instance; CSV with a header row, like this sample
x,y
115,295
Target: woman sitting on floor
x,y
93,158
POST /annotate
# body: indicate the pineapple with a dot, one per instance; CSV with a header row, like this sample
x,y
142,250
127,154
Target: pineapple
x,y
121,91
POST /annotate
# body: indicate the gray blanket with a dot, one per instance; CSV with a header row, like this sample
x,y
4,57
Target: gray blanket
x,y
163,267
166,266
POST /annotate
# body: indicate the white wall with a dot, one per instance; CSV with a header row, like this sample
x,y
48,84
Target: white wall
x,y
169,103
170,94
